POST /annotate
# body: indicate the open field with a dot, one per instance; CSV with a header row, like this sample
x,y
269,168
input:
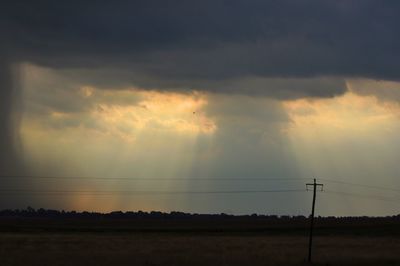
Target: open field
x,y
192,249
196,240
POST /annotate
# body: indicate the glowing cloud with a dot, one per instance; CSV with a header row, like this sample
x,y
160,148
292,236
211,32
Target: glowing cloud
x,y
348,113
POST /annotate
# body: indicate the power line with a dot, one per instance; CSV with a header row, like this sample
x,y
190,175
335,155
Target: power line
x,y
133,192
152,178
203,179
360,185
370,197
207,179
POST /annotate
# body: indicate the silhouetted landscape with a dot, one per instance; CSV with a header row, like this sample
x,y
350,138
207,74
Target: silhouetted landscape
x,y
258,107
43,220
52,237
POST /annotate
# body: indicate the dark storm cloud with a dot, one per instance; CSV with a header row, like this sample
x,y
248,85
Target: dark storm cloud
x,y
204,43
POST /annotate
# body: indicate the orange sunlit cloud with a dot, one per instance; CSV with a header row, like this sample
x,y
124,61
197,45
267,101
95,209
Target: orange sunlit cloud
x,y
108,116
349,112
181,113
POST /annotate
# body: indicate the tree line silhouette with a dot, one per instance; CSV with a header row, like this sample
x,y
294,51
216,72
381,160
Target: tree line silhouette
x,y
50,213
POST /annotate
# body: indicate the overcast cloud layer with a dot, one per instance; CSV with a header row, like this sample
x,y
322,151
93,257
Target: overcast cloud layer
x,y
179,42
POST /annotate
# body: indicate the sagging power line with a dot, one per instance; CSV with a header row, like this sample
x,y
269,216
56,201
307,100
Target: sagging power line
x,y
364,196
133,192
191,179
153,178
359,185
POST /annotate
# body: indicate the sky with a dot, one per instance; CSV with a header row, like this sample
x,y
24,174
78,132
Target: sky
x,y
200,106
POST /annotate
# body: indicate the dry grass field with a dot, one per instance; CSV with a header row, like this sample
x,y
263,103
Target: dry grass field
x,y
193,249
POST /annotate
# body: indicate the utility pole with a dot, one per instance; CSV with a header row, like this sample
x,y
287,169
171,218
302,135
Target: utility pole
x,y
312,215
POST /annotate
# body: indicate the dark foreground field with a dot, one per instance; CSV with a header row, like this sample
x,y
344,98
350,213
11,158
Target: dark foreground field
x,y
196,241
192,249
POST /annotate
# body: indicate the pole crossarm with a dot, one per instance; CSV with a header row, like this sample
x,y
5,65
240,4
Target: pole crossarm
x,y
321,186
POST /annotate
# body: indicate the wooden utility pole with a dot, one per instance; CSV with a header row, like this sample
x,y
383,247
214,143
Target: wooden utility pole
x,y
312,215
